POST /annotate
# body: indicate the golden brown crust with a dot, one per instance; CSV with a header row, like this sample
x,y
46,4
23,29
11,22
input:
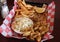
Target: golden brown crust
x,y
37,17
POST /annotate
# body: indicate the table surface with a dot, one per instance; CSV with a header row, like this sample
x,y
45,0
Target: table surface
x,y
56,23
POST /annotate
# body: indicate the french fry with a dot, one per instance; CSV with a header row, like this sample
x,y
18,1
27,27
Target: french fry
x,y
23,8
38,39
26,33
36,14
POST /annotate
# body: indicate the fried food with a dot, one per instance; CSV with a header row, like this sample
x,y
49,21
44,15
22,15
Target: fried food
x,y
30,21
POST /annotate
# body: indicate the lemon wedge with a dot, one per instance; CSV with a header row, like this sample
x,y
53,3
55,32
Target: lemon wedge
x,y
39,10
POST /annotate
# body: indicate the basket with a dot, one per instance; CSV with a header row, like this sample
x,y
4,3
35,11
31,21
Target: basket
x,y
6,31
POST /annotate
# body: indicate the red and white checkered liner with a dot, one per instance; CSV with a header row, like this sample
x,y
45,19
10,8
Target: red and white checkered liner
x,y
6,31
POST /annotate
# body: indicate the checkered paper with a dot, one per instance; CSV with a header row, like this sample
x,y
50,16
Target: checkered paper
x,y
6,31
